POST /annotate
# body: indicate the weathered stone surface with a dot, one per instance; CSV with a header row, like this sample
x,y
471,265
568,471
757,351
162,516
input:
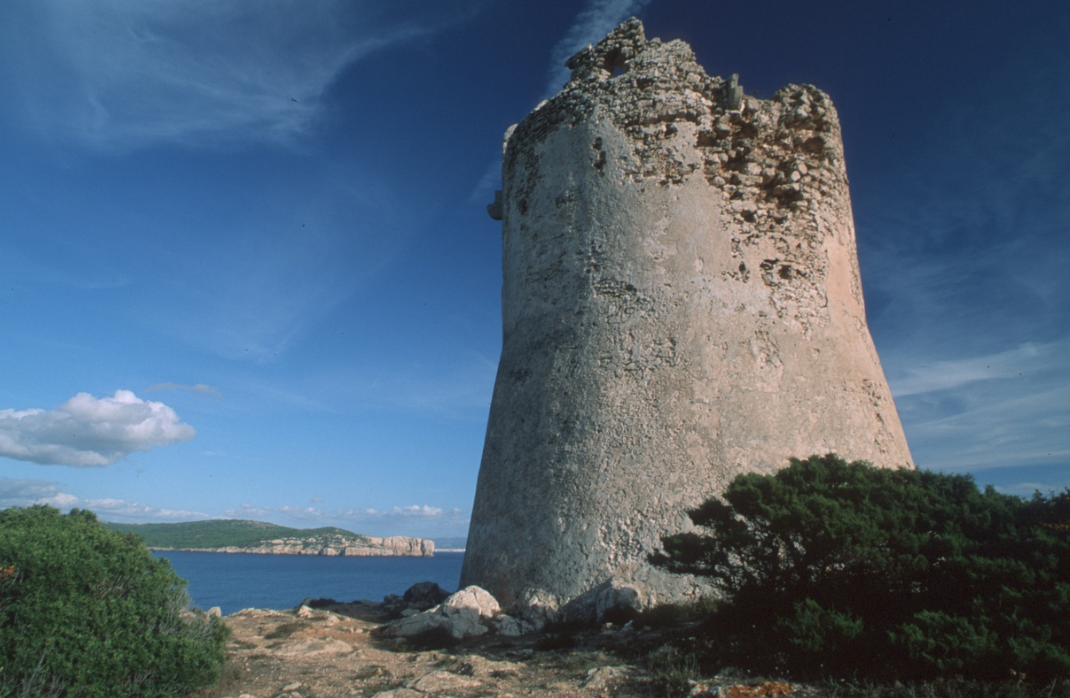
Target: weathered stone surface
x,y
602,679
681,304
466,613
599,662
474,599
443,681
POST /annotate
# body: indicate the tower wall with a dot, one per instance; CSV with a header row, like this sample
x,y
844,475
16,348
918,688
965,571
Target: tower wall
x,y
681,304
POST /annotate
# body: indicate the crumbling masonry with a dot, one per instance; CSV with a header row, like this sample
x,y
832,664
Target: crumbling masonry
x,y
681,304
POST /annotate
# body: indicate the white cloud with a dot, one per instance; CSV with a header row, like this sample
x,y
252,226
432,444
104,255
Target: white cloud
x,y
127,72
591,25
21,493
86,431
251,511
24,493
121,510
413,520
316,514
416,510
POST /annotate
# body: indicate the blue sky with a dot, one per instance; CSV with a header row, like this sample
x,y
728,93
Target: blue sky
x,y
248,272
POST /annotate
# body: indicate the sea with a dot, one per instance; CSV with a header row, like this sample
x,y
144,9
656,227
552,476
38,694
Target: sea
x,y
233,581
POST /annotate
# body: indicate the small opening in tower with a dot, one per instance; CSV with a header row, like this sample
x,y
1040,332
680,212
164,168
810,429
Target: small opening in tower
x,y
615,64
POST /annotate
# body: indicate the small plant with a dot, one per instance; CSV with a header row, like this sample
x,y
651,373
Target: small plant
x,y
284,631
671,671
89,613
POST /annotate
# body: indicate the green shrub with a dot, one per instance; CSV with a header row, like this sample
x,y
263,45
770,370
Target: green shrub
x,y
89,613
846,569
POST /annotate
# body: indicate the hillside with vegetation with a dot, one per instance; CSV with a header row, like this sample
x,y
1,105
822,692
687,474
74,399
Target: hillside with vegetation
x,y
223,533
236,536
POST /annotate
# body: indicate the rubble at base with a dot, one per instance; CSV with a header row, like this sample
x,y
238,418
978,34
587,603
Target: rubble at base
x,y
473,611
329,649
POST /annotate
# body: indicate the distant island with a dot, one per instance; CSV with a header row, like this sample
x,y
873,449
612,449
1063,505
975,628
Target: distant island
x,y
240,536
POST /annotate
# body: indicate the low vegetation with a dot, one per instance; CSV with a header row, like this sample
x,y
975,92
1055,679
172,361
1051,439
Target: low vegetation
x,y
225,533
830,569
86,612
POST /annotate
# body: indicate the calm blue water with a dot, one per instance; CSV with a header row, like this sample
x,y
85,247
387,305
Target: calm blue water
x,y
234,581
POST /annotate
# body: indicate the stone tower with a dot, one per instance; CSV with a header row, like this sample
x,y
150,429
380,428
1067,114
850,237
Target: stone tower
x,y
681,304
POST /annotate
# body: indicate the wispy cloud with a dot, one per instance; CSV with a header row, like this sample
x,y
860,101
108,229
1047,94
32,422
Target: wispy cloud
x,y
594,21
310,513
127,73
453,385
86,431
1025,360
199,388
256,285
964,235
422,511
24,493
962,239
991,411
460,389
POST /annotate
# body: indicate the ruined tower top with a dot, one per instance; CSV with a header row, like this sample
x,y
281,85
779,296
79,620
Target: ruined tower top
x,y
681,304
778,163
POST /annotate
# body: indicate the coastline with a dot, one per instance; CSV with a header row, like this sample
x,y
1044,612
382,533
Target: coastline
x,y
324,552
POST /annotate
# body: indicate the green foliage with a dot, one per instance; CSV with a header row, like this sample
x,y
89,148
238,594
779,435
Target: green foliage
x,y
223,533
848,569
671,671
89,613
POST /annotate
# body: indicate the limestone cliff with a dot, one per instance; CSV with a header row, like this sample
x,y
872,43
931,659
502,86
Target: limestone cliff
x,y
338,546
681,304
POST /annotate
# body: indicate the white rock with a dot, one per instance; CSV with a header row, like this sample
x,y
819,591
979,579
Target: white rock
x,y
473,598
601,678
441,681
399,693
466,613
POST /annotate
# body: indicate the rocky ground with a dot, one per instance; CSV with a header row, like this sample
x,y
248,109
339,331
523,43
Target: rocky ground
x,y
339,651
